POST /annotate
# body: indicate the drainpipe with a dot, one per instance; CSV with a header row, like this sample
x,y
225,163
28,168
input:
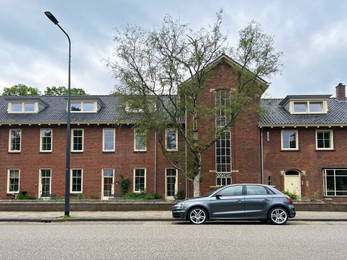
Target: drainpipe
x,y
155,161
261,156
186,147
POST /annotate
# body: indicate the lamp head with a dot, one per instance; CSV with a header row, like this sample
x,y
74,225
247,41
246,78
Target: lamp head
x,y
51,17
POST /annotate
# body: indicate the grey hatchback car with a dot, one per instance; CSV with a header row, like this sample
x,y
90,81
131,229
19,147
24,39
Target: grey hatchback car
x,y
236,202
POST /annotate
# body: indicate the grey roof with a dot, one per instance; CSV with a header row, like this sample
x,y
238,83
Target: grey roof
x,y
277,115
55,111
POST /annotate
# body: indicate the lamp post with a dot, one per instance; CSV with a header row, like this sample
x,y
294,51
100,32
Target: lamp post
x,y
68,131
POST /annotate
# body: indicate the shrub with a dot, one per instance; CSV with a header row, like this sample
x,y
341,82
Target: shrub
x,y
141,196
292,195
124,183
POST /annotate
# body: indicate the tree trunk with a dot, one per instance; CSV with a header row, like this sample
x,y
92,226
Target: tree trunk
x,y
196,185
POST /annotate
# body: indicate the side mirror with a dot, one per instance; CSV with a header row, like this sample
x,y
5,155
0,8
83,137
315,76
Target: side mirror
x,y
218,196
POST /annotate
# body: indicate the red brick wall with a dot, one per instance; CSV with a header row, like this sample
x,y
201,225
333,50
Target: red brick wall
x,y
307,158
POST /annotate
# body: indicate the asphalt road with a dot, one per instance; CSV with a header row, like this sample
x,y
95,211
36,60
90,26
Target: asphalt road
x,y
167,240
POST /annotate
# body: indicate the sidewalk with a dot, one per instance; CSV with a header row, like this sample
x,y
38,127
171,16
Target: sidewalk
x,y
57,216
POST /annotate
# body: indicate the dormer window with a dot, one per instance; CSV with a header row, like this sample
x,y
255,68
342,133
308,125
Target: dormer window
x,y
84,106
313,104
25,106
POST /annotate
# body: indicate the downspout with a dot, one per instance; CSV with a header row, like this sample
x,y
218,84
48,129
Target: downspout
x,y
155,162
261,155
186,147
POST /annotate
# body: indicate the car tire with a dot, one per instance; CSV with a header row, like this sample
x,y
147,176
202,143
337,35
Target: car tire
x,y
278,216
197,215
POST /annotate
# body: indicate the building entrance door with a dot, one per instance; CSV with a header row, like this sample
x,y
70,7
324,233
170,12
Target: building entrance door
x,y
107,184
292,182
45,183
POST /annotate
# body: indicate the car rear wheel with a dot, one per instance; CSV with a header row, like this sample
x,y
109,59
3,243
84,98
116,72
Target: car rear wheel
x,y
278,216
197,215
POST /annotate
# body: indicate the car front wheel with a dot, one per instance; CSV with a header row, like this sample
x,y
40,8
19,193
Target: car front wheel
x,y
197,215
278,216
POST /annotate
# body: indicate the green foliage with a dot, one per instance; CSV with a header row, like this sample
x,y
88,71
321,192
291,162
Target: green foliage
x,y
180,195
21,90
93,197
63,91
21,196
292,195
80,196
124,183
141,196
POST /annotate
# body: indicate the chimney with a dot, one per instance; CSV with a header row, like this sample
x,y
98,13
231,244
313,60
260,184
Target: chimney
x,y
341,92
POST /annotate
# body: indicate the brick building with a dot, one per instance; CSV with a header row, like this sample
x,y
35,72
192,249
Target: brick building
x,y
296,145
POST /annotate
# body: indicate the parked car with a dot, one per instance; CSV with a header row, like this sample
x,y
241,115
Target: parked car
x,y
237,201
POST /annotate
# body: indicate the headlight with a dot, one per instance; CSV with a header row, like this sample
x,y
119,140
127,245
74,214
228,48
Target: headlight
x,y
179,205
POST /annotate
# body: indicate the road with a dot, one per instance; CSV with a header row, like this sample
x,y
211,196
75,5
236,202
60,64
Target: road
x,y
167,240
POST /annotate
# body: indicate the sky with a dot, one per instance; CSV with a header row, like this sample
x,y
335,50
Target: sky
x,y
312,34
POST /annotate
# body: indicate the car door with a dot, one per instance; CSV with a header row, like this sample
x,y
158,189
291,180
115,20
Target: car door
x,y
228,203
257,201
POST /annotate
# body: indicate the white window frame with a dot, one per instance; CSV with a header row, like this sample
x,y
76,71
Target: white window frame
x,y
82,106
8,181
331,139
296,140
23,109
307,103
104,140
167,170
138,134
40,180
71,181
10,141
134,178
41,140
166,139
72,140
334,176
103,182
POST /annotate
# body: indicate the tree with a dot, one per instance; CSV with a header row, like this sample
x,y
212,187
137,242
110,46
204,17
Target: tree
x,y
163,72
62,91
21,90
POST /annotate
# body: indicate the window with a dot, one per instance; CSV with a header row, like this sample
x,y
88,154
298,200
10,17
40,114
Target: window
x,y
140,140
309,107
139,180
223,179
84,106
256,190
223,153
231,191
76,180
324,140
171,182
335,182
27,106
222,102
45,181
108,140
289,140
171,139
15,140
77,140
13,181
107,182
46,140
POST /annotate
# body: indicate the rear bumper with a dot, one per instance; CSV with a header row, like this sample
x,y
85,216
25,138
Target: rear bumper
x,y
291,211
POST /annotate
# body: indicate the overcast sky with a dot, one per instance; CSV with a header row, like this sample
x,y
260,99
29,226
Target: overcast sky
x,y
312,34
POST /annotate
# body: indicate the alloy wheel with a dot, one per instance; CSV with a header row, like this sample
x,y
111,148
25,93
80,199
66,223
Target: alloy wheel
x,y
197,216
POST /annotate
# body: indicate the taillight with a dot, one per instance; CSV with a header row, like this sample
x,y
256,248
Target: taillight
x,y
290,200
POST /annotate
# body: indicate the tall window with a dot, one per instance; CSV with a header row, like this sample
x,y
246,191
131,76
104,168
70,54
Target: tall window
x,y
171,139
108,140
139,180
77,140
45,182
223,153
289,140
13,181
15,140
46,140
222,101
335,182
324,140
76,180
140,140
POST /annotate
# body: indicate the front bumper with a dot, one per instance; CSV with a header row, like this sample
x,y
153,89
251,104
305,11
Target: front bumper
x,y
178,214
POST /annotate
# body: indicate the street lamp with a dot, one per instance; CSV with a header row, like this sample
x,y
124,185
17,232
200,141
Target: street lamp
x,y
68,132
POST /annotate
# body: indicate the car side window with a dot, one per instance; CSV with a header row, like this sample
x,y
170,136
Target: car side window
x,y
256,190
231,191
